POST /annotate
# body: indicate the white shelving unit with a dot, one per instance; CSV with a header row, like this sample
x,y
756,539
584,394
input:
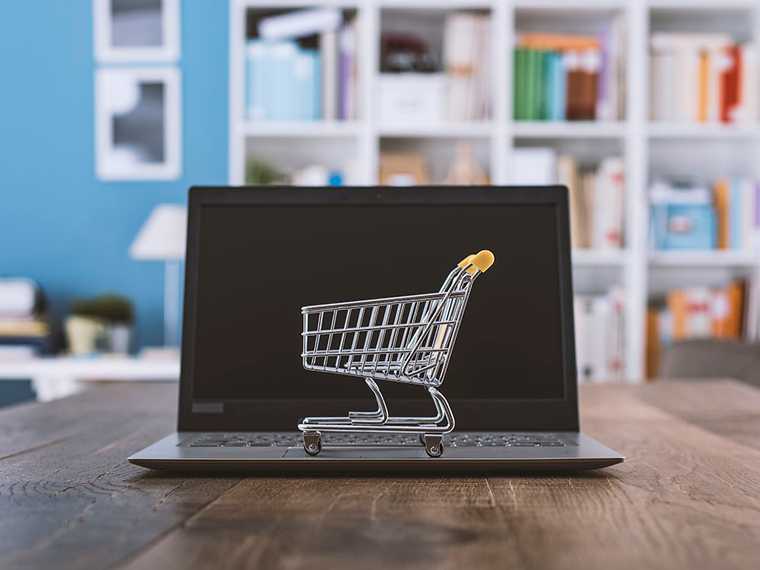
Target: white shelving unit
x,y
649,149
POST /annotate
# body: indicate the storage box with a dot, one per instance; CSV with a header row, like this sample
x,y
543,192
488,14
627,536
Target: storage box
x,y
411,97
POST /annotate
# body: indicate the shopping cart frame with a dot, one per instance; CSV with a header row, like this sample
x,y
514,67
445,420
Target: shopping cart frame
x,y
414,361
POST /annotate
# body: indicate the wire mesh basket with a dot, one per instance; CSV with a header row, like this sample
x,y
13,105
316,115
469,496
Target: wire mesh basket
x,y
405,339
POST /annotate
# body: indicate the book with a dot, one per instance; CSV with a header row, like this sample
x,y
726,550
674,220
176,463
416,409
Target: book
x,y
682,217
701,78
348,73
568,77
609,193
282,82
466,56
328,48
599,336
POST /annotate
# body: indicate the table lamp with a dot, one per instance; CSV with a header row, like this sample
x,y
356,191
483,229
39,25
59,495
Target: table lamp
x,y
162,238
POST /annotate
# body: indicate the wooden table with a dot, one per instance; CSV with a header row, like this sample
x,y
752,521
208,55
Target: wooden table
x,y
688,495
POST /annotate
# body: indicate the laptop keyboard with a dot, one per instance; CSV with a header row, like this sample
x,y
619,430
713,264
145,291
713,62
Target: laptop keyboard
x,y
456,439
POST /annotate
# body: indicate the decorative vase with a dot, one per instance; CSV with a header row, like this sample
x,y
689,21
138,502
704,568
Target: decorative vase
x,y
83,334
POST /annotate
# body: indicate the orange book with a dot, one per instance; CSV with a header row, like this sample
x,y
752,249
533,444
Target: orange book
x,y
653,348
722,194
557,42
704,88
678,307
734,320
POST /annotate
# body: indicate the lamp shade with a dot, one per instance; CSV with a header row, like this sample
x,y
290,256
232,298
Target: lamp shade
x,y
162,236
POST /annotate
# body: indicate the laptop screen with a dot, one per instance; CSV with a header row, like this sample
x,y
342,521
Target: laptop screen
x,y
258,264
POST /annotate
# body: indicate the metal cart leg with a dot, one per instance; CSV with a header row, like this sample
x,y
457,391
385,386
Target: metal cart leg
x,y
379,416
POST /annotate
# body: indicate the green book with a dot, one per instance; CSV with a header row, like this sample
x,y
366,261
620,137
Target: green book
x,y
518,88
546,85
532,81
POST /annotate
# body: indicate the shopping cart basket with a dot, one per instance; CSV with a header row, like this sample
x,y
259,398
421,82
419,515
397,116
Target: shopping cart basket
x,y
399,339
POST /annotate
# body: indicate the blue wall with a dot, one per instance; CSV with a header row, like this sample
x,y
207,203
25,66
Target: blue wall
x,y
58,223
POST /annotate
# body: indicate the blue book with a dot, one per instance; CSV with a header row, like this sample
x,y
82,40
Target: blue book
x,y
316,96
659,226
256,60
559,101
305,83
280,86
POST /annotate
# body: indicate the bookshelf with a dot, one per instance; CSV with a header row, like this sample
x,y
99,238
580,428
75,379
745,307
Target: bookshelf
x,y
649,149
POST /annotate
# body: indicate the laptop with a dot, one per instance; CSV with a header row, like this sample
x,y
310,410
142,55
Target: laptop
x,y
255,256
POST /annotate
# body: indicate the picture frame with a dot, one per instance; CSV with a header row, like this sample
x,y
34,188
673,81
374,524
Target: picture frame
x,y
130,31
138,132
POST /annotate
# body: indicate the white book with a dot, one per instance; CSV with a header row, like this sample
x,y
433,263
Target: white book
x,y
608,217
328,46
300,23
483,69
460,51
601,314
747,111
663,86
747,210
615,364
608,107
348,71
533,166
686,88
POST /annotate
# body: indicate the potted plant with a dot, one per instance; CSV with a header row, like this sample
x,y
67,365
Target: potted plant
x,y
100,324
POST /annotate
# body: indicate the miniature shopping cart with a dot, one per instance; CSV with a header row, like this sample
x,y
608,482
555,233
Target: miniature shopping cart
x,y
398,339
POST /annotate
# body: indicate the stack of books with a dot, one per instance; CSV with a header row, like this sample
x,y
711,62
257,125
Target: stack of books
x,y
695,217
288,82
24,332
597,193
599,336
703,78
569,77
698,312
467,49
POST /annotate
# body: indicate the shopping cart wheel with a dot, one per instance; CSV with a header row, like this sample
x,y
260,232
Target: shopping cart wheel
x,y
433,445
312,442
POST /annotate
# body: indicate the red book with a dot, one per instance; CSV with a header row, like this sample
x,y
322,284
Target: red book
x,y
731,85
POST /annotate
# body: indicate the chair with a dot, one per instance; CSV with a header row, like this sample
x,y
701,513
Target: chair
x,y
710,358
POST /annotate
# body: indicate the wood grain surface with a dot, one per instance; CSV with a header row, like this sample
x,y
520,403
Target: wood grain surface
x,y
688,495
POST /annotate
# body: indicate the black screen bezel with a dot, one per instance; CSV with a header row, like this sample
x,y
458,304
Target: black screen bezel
x,y
502,414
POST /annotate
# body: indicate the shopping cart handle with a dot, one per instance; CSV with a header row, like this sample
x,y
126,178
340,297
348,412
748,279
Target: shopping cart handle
x,y
480,261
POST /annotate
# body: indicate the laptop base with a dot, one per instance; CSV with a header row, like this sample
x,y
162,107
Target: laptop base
x,y
578,452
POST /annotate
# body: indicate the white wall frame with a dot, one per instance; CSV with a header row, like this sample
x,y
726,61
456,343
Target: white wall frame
x,y
635,267
108,167
106,52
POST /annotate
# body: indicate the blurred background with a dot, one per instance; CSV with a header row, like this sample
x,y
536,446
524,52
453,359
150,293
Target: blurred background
x,y
111,109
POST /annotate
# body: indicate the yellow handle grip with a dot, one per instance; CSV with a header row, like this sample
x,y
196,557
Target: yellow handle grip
x,y
466,261
480,261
